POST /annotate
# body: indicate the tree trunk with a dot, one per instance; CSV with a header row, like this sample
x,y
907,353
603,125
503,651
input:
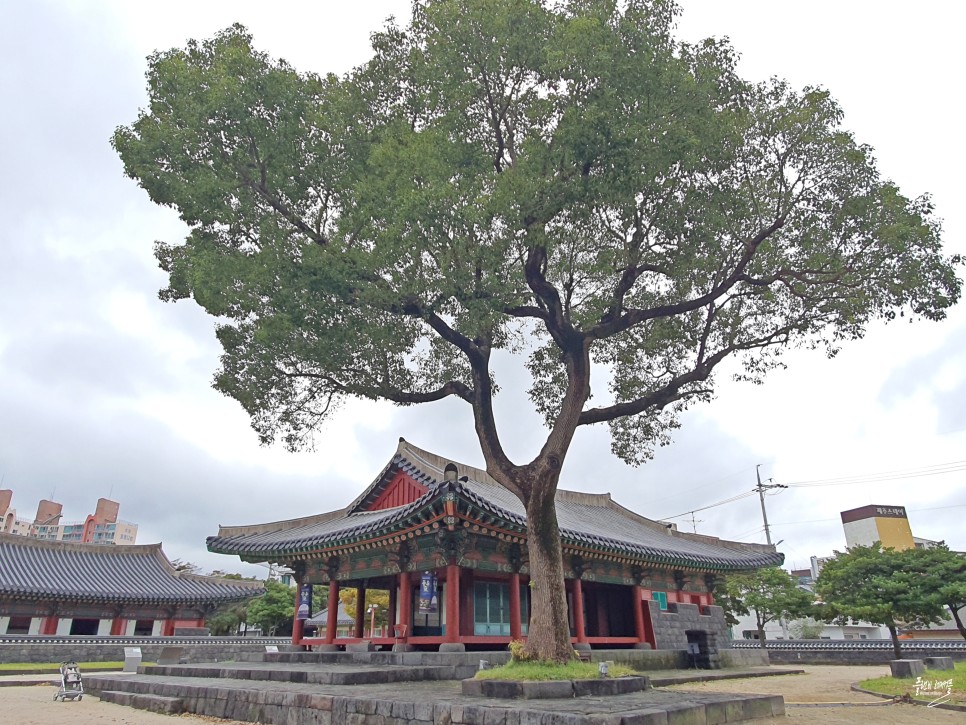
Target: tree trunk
x,y
761,634
956,618
897,648
548,637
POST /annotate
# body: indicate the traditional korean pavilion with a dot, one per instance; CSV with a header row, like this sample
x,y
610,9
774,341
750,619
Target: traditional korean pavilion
x,y
58,588
449,544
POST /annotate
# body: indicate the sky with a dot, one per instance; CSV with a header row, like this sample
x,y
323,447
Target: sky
x,y
105,390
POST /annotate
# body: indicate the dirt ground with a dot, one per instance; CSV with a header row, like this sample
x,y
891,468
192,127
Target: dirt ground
x,y
830,684
820,684
35,706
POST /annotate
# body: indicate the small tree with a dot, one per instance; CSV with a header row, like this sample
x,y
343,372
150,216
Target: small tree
x,y
274,610
881,586
563,183
771,593
807,628
376,597
228,618
187,567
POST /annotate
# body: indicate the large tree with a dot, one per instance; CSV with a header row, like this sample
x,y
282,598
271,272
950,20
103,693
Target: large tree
x,y
942,573
881,586
565,182
771,593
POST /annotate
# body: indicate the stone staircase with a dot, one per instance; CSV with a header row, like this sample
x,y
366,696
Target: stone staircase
x,y
385,688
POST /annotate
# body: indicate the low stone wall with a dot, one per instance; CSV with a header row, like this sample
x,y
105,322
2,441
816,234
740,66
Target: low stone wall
x,y
850,656
81,651
744,657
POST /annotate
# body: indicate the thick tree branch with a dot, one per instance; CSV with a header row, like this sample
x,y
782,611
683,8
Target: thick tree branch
x,y
557,325
677,388
609,328
453,387
260,188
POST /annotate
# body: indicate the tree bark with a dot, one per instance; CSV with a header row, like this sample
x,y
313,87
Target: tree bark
x,y
893,632
549,635
761,632
956,618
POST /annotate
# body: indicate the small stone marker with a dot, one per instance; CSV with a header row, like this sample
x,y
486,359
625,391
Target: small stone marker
x,y
132,659
907,668
938,663
271,648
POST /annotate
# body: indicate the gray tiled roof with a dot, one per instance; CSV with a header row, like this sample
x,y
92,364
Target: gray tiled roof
x,y
320,619
589,519
53,570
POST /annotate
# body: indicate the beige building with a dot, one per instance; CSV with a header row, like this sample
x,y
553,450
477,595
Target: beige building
x,y
100,527
887,524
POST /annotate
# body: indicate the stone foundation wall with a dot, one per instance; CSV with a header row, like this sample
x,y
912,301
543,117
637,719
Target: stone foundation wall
x,y
81,651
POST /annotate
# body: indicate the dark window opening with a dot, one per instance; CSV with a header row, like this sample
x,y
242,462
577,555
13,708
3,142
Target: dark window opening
x,y
84,626
19,625
143,627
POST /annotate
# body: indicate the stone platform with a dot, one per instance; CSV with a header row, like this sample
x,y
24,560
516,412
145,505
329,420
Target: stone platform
x,y
337,690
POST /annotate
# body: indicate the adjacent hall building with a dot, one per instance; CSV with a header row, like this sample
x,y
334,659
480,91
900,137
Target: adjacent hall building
x,y
58,588
449,544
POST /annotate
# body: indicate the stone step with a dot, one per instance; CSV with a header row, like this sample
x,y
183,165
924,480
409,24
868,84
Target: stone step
x,y
344,674
422,703
141,701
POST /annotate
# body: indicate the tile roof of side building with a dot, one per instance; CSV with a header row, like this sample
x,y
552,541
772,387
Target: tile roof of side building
x,y
588,519
55,570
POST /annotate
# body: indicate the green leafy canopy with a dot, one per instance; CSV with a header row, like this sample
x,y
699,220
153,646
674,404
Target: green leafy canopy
x,y
564,181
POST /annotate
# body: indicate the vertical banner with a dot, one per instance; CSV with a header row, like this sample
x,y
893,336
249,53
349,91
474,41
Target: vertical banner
x,y
428,600
305,602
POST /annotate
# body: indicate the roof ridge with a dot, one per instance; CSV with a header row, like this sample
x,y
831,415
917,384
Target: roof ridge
x,y
126,549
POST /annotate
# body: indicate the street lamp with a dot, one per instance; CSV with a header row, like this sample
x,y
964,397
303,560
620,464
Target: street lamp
x,y
372,619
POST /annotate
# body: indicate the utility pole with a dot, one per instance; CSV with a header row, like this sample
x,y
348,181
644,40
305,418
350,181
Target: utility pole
x,y
761,495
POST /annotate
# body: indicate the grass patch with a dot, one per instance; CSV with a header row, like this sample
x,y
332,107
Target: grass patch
x,y
541,671
54,666
929,687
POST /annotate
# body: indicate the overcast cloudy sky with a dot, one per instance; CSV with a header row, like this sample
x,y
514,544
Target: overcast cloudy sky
x,y
104,390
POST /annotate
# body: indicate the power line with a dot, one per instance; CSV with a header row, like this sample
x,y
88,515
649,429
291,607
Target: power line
x,y
740,496
935,470
816,521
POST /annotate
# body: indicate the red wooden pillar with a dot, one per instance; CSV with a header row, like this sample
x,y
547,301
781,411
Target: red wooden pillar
x,y
579,628
167,629
391,614
516,628
360,629
118,627
452,603
298,625
332,621
405,602
49,625
637,595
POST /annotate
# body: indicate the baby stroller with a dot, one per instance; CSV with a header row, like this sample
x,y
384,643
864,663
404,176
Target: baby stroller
x,y
71,686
